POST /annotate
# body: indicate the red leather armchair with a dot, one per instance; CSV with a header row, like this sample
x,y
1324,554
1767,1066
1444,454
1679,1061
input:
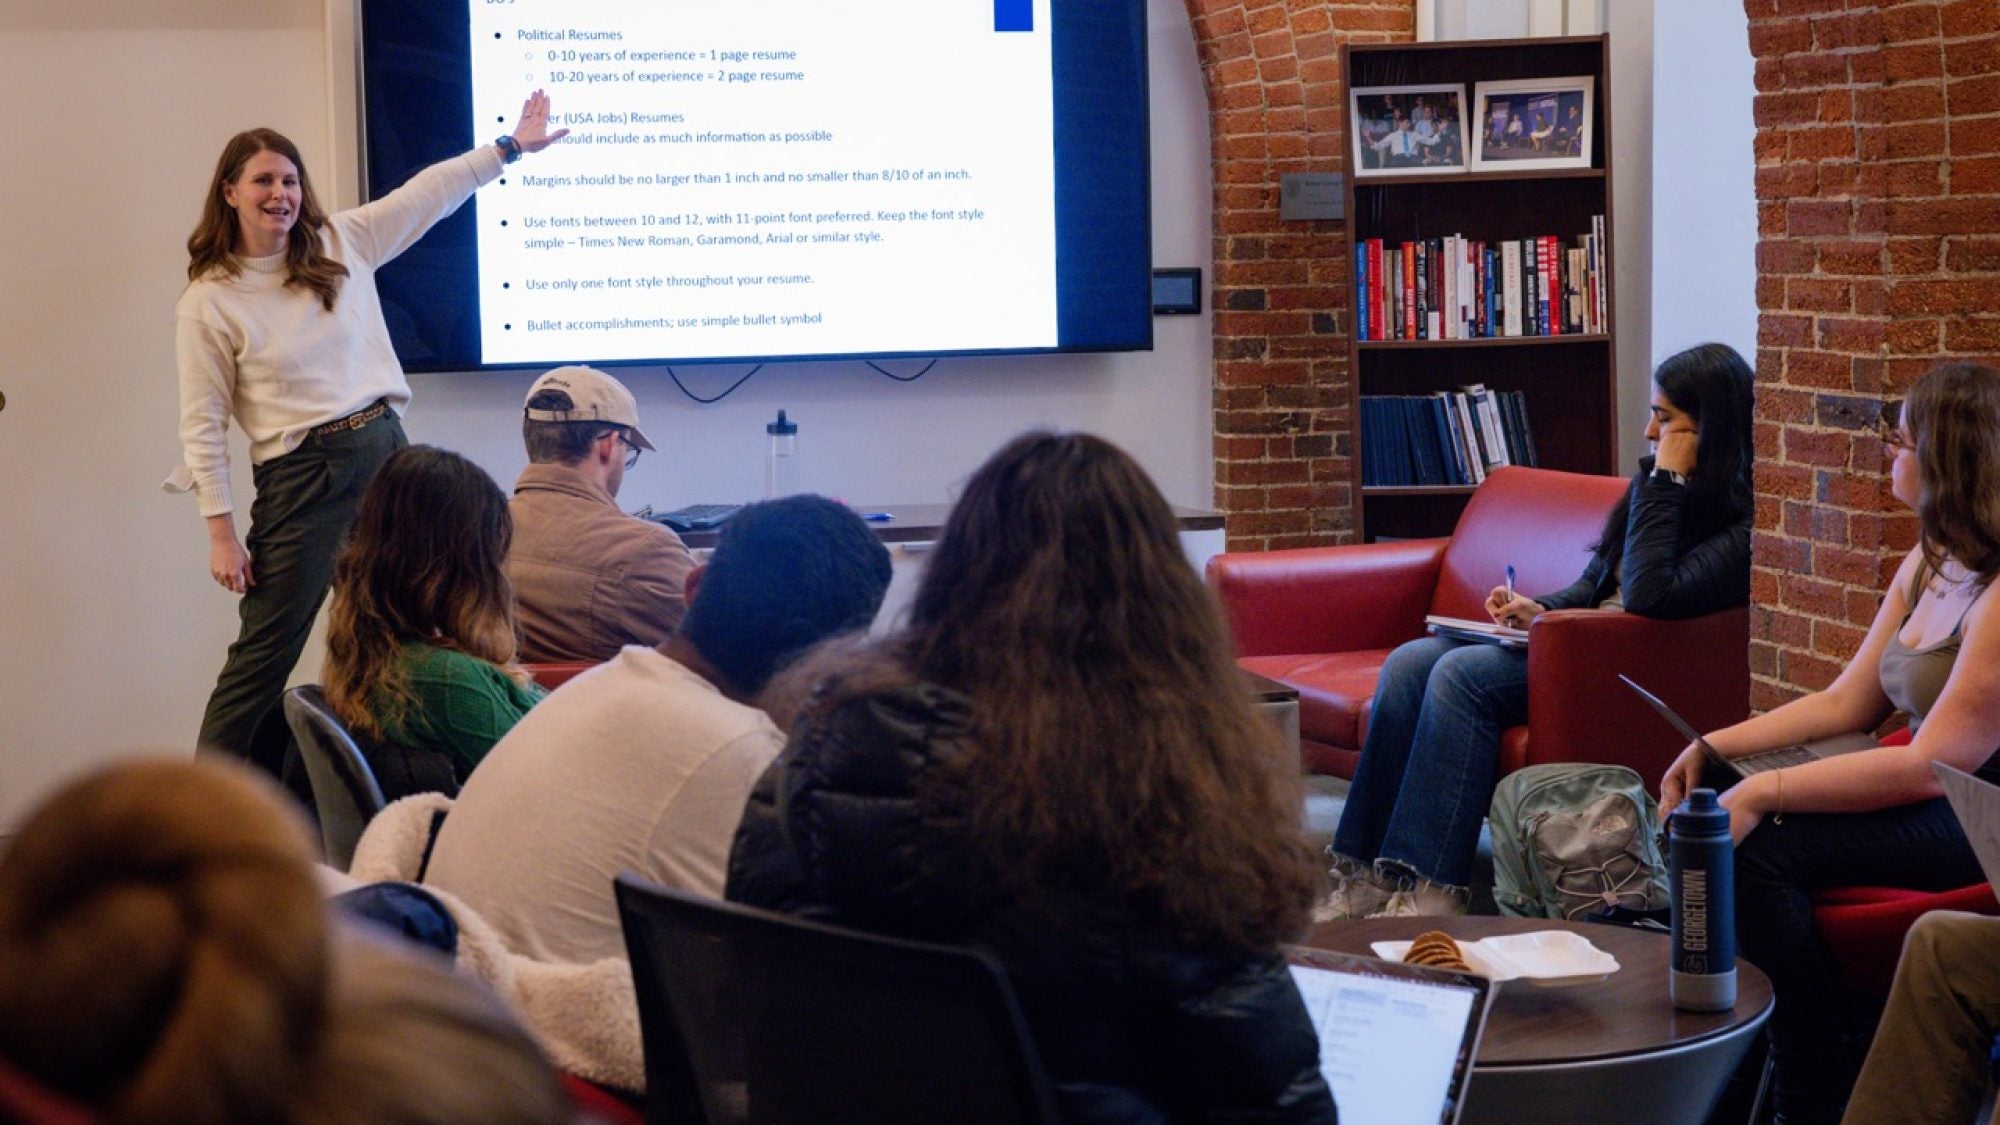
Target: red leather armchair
x,y
1865,926
1323,619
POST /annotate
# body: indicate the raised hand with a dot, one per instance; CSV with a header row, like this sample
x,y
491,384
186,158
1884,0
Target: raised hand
x,y
531,132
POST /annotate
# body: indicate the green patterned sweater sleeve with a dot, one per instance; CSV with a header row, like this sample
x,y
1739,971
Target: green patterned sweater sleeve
x,y
464,704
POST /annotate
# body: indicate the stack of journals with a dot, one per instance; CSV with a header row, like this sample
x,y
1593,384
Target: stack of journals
x,y
1453,288
1451,437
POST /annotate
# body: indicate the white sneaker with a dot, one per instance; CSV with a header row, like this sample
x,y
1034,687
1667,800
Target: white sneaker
x,y
1357,892
1425,900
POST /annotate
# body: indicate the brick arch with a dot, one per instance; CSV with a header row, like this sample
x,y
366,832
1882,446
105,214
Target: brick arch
x,y
1878,254
1282,393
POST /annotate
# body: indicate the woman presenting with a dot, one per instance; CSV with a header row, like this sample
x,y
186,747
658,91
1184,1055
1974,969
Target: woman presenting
x,y
281,330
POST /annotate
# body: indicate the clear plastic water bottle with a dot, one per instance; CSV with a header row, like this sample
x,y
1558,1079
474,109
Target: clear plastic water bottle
x,y
781,459
1703,884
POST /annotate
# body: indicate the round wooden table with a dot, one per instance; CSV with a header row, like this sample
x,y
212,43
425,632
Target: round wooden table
x,y
1615,1049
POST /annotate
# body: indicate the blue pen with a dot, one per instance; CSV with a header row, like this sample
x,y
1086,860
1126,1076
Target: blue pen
x,y
1510,582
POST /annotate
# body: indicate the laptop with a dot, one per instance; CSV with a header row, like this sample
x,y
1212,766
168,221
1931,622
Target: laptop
x,y
1396,1041
1977,803
1484,632
1763,761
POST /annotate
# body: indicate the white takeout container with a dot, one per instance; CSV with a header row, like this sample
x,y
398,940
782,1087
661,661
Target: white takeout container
x,y
1550,958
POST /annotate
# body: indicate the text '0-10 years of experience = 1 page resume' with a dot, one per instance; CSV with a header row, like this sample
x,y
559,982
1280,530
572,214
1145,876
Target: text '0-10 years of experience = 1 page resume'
x,y
828,180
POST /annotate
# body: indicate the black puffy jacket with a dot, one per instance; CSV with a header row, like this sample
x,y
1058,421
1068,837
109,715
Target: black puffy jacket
x,y
1132,1025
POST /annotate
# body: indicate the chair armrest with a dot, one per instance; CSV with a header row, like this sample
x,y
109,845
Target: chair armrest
x,y
1327,599
1579,712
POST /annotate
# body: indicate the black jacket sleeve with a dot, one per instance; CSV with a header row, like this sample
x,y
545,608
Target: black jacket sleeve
x,y
1672,580
834,830
1582,593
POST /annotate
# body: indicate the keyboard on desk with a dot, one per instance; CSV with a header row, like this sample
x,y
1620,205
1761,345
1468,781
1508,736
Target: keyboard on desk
x,y
1784,757
697,517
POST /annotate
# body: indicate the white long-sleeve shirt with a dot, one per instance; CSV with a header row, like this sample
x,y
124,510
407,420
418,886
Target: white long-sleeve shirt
x,y
278,361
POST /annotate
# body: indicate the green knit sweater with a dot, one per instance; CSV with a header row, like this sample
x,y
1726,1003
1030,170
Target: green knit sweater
x,y
463,704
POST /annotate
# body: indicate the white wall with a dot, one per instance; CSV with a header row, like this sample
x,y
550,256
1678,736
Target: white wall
x,y
110,631
1704,201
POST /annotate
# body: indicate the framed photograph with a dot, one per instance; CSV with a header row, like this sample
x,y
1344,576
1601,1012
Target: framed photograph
x,y
1533,123
1408,130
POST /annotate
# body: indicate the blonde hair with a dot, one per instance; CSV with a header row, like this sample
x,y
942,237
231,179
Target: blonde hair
x,y
165,956
163,947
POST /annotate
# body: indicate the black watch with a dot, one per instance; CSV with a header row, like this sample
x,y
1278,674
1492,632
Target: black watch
x,y
1670,475
510,149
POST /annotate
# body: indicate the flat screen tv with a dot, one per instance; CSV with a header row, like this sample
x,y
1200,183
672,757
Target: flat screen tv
x,y
768,179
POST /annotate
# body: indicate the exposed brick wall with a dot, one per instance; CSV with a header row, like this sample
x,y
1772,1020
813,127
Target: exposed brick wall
x,y
1283,394
1878,192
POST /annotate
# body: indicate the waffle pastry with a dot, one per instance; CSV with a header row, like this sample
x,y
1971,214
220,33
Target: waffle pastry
x,y
1435,949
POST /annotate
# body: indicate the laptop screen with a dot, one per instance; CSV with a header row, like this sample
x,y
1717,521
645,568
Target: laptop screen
x,y
1396,1041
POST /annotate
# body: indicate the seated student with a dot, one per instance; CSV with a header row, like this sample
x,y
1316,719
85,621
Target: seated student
x,y
1877,817
1932,1058
420,640
588,579
165,956
1059,761
1677,546
643,764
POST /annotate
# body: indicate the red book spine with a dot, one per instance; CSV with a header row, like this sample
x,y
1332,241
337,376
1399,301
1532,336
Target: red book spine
x,y
1409,291
1552,273
1375,295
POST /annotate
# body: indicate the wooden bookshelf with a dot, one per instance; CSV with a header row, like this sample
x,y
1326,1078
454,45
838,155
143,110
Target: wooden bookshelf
x,y
1569,381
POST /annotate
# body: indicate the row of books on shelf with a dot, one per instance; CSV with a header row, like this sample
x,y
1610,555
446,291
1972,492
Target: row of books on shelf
x,y
1450,437
1454,288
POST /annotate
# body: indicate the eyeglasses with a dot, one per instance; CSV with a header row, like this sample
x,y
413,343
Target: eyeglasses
x,y
631,450
1895,440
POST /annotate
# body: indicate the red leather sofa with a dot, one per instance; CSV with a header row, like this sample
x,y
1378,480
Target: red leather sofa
x,y
1323,619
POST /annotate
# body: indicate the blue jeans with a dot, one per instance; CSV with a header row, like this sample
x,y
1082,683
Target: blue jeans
x,y
1426,773
1778,868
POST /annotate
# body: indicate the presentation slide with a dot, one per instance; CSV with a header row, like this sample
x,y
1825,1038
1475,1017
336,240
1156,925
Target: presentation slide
x,y
818,179
1387,1046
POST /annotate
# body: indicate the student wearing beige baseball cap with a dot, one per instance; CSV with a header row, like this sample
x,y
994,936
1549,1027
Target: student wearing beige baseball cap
x,y
588,578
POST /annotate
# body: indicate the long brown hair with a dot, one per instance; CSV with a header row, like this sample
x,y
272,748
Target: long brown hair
x,y
213,244
424,563
1953,413
164,949
1117,754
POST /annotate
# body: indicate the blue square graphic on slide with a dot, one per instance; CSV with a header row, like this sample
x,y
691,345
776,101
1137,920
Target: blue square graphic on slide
x,y
1013,15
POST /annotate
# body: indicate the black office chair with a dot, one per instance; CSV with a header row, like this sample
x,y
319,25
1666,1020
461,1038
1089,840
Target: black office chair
x,y
345,795
753,1017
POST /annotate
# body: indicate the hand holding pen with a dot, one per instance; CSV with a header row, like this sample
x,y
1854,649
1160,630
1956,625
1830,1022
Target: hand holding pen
x,y
1510,609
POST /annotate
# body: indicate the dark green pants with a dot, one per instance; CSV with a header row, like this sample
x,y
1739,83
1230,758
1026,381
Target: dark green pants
x,y
305,502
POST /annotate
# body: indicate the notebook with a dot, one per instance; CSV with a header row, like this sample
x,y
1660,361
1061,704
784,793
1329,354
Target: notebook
x,y
1764,761
1396,1041
1977,803
1484,632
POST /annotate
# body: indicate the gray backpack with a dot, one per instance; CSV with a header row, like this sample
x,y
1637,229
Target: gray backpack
x,y
1572,837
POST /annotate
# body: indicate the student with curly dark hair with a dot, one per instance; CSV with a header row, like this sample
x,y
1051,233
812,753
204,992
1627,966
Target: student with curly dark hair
x,y
1058,759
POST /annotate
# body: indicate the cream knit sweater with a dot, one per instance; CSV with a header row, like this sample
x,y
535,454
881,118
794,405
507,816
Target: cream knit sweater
x,y
277,361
